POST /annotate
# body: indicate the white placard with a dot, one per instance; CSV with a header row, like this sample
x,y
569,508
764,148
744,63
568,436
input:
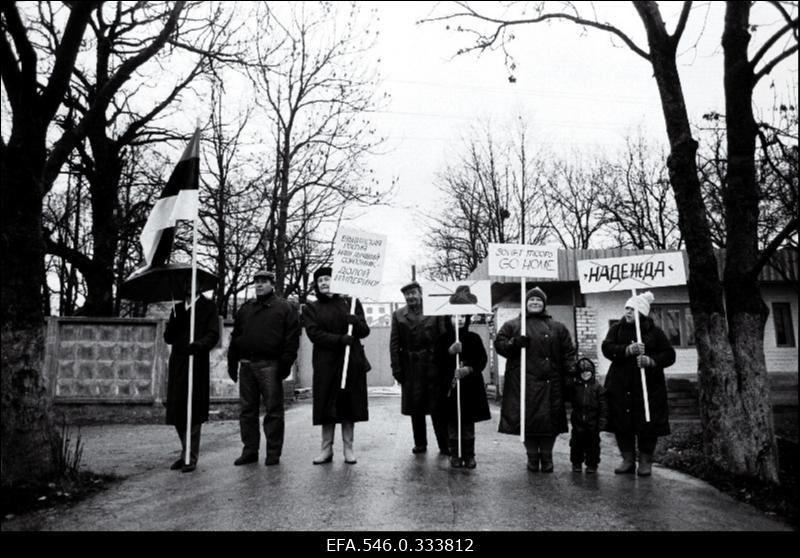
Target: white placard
x,y
358,259
523,260
472,297
631,272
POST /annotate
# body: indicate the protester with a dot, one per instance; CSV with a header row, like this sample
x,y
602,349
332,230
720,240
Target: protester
x,y
411,346
474,406
263,347
549,365
206,335
624,387
588,418
326,322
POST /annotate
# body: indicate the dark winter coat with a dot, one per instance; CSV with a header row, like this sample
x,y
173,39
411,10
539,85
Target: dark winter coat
x,y
474,406
265,328
206,333
550,361
589,406
623,384
326,323
411,350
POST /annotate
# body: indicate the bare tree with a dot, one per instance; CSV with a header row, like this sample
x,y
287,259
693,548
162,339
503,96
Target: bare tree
x,y
638,201
729,319
317,87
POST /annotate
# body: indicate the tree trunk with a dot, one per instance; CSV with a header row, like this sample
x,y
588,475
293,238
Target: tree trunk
x,y
26,425
734,395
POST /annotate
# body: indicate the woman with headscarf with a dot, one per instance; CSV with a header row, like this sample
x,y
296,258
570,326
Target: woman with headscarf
x,y
326,322
549,366
474,406
623,384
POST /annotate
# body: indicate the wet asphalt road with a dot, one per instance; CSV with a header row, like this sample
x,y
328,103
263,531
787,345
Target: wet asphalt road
x,y
389,489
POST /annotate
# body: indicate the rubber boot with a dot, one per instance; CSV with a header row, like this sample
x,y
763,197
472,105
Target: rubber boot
x,y
347,442
547,462
628,464
645,464
326,455
533,462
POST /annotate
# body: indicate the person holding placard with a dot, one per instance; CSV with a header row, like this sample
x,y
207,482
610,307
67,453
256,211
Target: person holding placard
x,y
624,388
474,406
326,322
206,335
411,350
549,367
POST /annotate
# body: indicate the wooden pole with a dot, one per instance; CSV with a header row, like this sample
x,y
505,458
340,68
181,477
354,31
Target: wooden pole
x,y
188,444
522,360
641,370
347,349
458,393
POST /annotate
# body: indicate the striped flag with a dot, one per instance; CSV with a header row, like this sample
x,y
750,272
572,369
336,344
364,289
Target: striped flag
x,y
179,200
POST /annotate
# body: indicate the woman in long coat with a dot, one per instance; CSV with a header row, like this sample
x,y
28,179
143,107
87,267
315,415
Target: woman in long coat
x,y
474,406
549,366
624,387
326,322
206,335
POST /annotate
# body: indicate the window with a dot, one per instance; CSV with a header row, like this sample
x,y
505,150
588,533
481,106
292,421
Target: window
x,y
782,317
369,309
676,322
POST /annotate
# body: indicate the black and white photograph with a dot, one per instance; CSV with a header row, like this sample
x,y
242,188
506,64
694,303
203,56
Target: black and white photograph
x,y
383,276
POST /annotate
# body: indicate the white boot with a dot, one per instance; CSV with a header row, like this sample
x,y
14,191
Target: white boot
x,y
347,442
326,456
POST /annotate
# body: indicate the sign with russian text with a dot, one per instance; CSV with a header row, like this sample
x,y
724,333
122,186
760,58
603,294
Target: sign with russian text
x,y
459,297
523,260
358,259
631,272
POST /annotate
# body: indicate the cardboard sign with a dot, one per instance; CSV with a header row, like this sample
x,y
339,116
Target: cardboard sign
x,y
358,259
459,297
631,272
523,260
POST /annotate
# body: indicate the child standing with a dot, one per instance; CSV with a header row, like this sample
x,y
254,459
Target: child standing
x,y
474,406
589,415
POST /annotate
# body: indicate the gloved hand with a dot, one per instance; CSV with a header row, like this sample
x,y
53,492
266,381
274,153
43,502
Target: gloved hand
x,y
455,348
634,349
521,341
194,348
462,372
644,361
347,340
233,371
351,318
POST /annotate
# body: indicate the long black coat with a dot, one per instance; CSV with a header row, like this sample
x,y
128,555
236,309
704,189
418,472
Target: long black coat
x,y
206,333
411,350
550,362
326,322
623,382
474,406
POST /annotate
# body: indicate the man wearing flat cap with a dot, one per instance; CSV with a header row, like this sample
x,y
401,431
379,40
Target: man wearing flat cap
x,y
263,347
411,344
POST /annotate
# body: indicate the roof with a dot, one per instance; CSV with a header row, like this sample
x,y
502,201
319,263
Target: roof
x,y
785,260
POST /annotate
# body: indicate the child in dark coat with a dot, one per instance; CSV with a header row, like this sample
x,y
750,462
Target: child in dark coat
x,y
589,416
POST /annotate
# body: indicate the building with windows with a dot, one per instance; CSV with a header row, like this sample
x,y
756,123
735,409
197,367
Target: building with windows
x,y
589,316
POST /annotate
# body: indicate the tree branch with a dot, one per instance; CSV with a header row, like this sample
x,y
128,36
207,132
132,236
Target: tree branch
x,y
772,247
775,61
771,41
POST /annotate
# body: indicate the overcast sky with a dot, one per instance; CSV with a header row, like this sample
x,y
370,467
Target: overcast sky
x,y
577,92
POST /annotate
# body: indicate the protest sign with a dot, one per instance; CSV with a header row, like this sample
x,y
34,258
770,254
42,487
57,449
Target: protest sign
x,y
358,260
631,272
459,297
523,260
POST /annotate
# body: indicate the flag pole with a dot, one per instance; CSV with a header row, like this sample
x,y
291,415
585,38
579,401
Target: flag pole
x,y
188,444
641,370
522,361
347,348
458,393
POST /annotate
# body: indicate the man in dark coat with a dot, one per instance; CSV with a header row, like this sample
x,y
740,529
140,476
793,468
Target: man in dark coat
x,y
411,351
206,335
549,366
263,347
326,322
624,387
474,406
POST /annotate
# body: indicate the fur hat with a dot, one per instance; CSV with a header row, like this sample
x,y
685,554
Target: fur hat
x,y
537,292
266,273
322,272
641,303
